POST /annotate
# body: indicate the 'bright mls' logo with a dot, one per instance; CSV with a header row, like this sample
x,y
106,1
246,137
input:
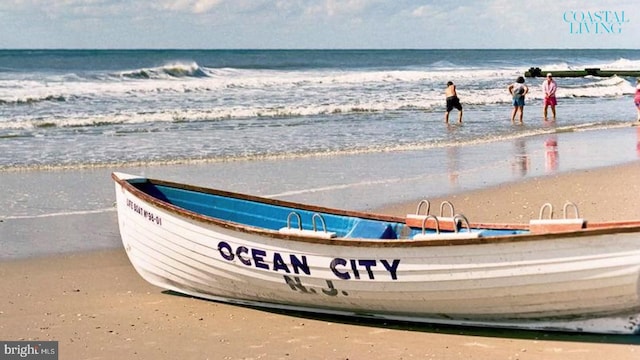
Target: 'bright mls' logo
x,y
595,22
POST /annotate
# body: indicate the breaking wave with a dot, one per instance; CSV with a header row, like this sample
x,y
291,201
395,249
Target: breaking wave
x,y
33,100
173,70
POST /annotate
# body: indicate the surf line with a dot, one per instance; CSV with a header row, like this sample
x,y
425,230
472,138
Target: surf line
x,y
66,213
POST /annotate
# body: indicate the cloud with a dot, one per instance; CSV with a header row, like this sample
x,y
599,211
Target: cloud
x,y
192,6
71,8
337,7
423,11
306,23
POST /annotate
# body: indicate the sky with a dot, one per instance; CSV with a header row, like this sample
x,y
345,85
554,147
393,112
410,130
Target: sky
x,y
318,24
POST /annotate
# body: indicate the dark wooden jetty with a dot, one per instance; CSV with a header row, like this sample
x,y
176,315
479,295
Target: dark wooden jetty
x,y
537,72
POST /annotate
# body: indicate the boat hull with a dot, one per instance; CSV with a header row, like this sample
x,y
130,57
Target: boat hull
x,y
582,283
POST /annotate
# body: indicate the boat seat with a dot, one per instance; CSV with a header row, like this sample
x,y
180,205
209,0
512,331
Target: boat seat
x,y
448,235
446,223
313,233
556,225
307,233
548,225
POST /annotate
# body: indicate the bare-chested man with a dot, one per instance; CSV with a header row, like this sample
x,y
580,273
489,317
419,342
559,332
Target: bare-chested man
x,y
452,102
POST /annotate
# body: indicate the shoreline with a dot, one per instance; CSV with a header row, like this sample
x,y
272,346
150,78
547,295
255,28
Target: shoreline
x,y
97,307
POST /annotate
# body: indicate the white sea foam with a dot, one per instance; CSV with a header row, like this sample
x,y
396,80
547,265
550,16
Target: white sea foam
x,y
620,64
58,214
266,94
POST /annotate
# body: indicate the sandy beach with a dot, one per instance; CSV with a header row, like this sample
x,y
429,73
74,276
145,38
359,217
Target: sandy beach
x,y
97,307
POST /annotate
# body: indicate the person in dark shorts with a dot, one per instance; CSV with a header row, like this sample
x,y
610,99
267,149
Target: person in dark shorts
x,y
452,102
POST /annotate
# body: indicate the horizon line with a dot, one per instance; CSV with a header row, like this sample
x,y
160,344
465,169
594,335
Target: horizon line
x,y
295,49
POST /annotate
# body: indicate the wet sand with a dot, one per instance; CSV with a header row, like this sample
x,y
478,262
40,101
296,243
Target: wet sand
x,y
97,307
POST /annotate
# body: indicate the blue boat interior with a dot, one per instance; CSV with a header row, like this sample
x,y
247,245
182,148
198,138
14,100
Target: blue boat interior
x,y
275,217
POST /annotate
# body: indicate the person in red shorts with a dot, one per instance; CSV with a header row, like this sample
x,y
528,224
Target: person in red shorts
x,y
549,88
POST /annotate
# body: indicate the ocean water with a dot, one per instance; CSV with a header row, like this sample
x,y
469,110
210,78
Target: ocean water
x,y
101,108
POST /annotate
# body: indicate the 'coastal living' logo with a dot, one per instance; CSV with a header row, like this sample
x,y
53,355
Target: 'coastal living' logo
x,y
595,22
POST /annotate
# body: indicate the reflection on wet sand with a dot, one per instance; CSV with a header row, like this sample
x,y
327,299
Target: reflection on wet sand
x,y
453,164
520,164
551,153
638,140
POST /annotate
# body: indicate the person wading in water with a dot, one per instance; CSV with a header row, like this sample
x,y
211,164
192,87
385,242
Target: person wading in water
x,y
452,102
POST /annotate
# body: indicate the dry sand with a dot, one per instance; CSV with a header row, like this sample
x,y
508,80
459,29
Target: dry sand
x,y
602,194
97,307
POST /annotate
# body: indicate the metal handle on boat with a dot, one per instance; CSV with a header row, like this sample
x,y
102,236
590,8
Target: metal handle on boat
x,y
423,202
574,206
313,222
297,216
463,219
543,208
446,203
424,223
